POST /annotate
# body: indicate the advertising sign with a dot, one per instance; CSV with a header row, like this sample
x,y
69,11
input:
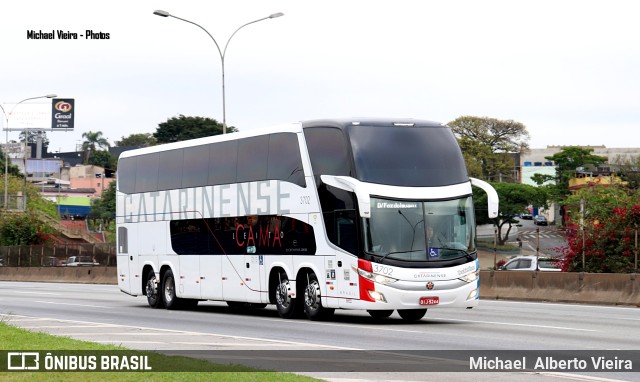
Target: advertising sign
x,y
62,113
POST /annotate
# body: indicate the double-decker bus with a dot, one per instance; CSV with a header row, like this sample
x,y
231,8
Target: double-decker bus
x,y
365,214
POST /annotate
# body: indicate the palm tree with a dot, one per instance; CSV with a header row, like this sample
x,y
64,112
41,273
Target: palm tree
x,y
91,140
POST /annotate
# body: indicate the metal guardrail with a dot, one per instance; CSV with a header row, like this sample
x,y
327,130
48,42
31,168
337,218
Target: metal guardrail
x,y
55,255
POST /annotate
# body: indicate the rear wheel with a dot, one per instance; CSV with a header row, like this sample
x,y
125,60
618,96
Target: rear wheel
x,y
380,313
171,301
412,314
286,306
312,300
151,290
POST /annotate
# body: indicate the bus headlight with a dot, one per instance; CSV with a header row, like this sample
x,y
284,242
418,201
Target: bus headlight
x,y
470,277
376,278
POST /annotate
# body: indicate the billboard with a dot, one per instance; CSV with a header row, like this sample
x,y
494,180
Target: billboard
x,y
57,115
62,111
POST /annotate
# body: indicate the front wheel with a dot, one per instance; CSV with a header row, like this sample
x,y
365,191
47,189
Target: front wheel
x,y
312,300
412,314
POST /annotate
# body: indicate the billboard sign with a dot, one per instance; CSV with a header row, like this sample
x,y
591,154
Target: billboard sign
x,y
62,113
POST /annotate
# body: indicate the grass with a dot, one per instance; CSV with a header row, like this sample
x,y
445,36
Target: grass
x,y
17,339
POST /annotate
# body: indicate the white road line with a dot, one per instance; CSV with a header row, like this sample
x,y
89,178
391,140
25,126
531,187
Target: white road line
x,y
130,342
42,293
514,324
63,326
84,305
196,333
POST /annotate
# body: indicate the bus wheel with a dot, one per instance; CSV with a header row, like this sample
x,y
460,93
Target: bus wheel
x,y
412,314
380,313
151,290
312,300
285,305
169,291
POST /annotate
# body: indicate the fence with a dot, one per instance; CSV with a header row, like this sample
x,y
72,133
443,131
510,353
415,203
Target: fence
x,y
55,255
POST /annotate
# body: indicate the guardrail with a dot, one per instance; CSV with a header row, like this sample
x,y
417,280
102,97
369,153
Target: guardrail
x,y
55,255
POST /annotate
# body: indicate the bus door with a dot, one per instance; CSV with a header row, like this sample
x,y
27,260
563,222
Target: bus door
x,y
124,257
233,275
252,277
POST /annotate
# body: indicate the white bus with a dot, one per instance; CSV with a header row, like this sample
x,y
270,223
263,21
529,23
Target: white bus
x,y
315,216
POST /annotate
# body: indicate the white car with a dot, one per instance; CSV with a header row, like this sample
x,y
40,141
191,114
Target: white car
x,y
81,261
532,263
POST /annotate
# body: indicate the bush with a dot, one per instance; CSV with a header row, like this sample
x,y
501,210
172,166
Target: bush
x,y
24,228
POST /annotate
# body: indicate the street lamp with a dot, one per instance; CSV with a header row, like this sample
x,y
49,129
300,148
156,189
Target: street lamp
x,y
221,52
6,149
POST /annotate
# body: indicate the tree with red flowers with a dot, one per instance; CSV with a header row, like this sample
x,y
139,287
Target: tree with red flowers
x,y
607,228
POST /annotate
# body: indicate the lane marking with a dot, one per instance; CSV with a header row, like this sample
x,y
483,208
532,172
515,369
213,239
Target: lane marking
x,y
41,293
195,333
69,304
514,324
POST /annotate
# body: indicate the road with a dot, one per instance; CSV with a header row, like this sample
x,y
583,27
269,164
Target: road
x,y
101,313
546,238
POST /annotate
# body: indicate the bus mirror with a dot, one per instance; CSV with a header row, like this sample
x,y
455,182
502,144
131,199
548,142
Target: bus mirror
x,y
492,196
352,185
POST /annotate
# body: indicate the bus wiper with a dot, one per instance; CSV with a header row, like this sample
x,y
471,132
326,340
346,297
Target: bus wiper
x,y
466,254
381,259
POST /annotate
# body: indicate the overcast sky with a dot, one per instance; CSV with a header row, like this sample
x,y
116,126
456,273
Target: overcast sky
x,y
568,70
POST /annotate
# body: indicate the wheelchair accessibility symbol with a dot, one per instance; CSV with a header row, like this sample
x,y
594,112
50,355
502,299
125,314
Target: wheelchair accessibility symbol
x,y
433,252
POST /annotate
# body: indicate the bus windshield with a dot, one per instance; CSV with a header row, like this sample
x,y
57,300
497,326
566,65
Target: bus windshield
x,y
407,156
420,230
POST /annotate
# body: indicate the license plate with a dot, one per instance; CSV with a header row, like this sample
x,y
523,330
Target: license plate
x,y
429,300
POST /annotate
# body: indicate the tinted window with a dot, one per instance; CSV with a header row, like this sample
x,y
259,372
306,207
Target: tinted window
x,y
195,166
284,159
127,175
223,159
267,234
252,159
328,151
170,175
146,173
407,156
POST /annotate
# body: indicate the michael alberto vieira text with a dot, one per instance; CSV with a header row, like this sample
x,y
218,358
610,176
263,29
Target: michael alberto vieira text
x,y
552,363
66,35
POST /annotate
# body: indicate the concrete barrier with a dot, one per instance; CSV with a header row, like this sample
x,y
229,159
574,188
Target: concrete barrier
x,y
592,288
91,275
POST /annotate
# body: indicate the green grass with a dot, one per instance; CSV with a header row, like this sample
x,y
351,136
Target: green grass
x,y
14,339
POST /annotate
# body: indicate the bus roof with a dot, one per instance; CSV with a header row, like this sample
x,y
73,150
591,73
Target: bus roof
x,y
297,127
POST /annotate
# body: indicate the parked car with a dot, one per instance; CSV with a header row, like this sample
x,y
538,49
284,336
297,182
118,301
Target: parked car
x,y
532,263
81,261
540,220
525,216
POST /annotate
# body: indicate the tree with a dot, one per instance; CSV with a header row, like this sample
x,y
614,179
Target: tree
x,y
105,207
514,198
566,161
12,170
141,139
33,137
182,128
102,158
93,140
488,142
629,170
24,228
611,219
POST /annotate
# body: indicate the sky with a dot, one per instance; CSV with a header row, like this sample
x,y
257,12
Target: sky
x,y
568,70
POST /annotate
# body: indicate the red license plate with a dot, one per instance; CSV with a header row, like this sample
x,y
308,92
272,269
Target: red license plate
x,y
429,300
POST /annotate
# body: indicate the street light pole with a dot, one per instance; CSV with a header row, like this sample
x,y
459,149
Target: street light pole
x,y
222,53
6,148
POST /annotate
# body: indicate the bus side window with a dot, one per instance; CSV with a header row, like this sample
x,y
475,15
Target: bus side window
x,y
123,241
345,235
